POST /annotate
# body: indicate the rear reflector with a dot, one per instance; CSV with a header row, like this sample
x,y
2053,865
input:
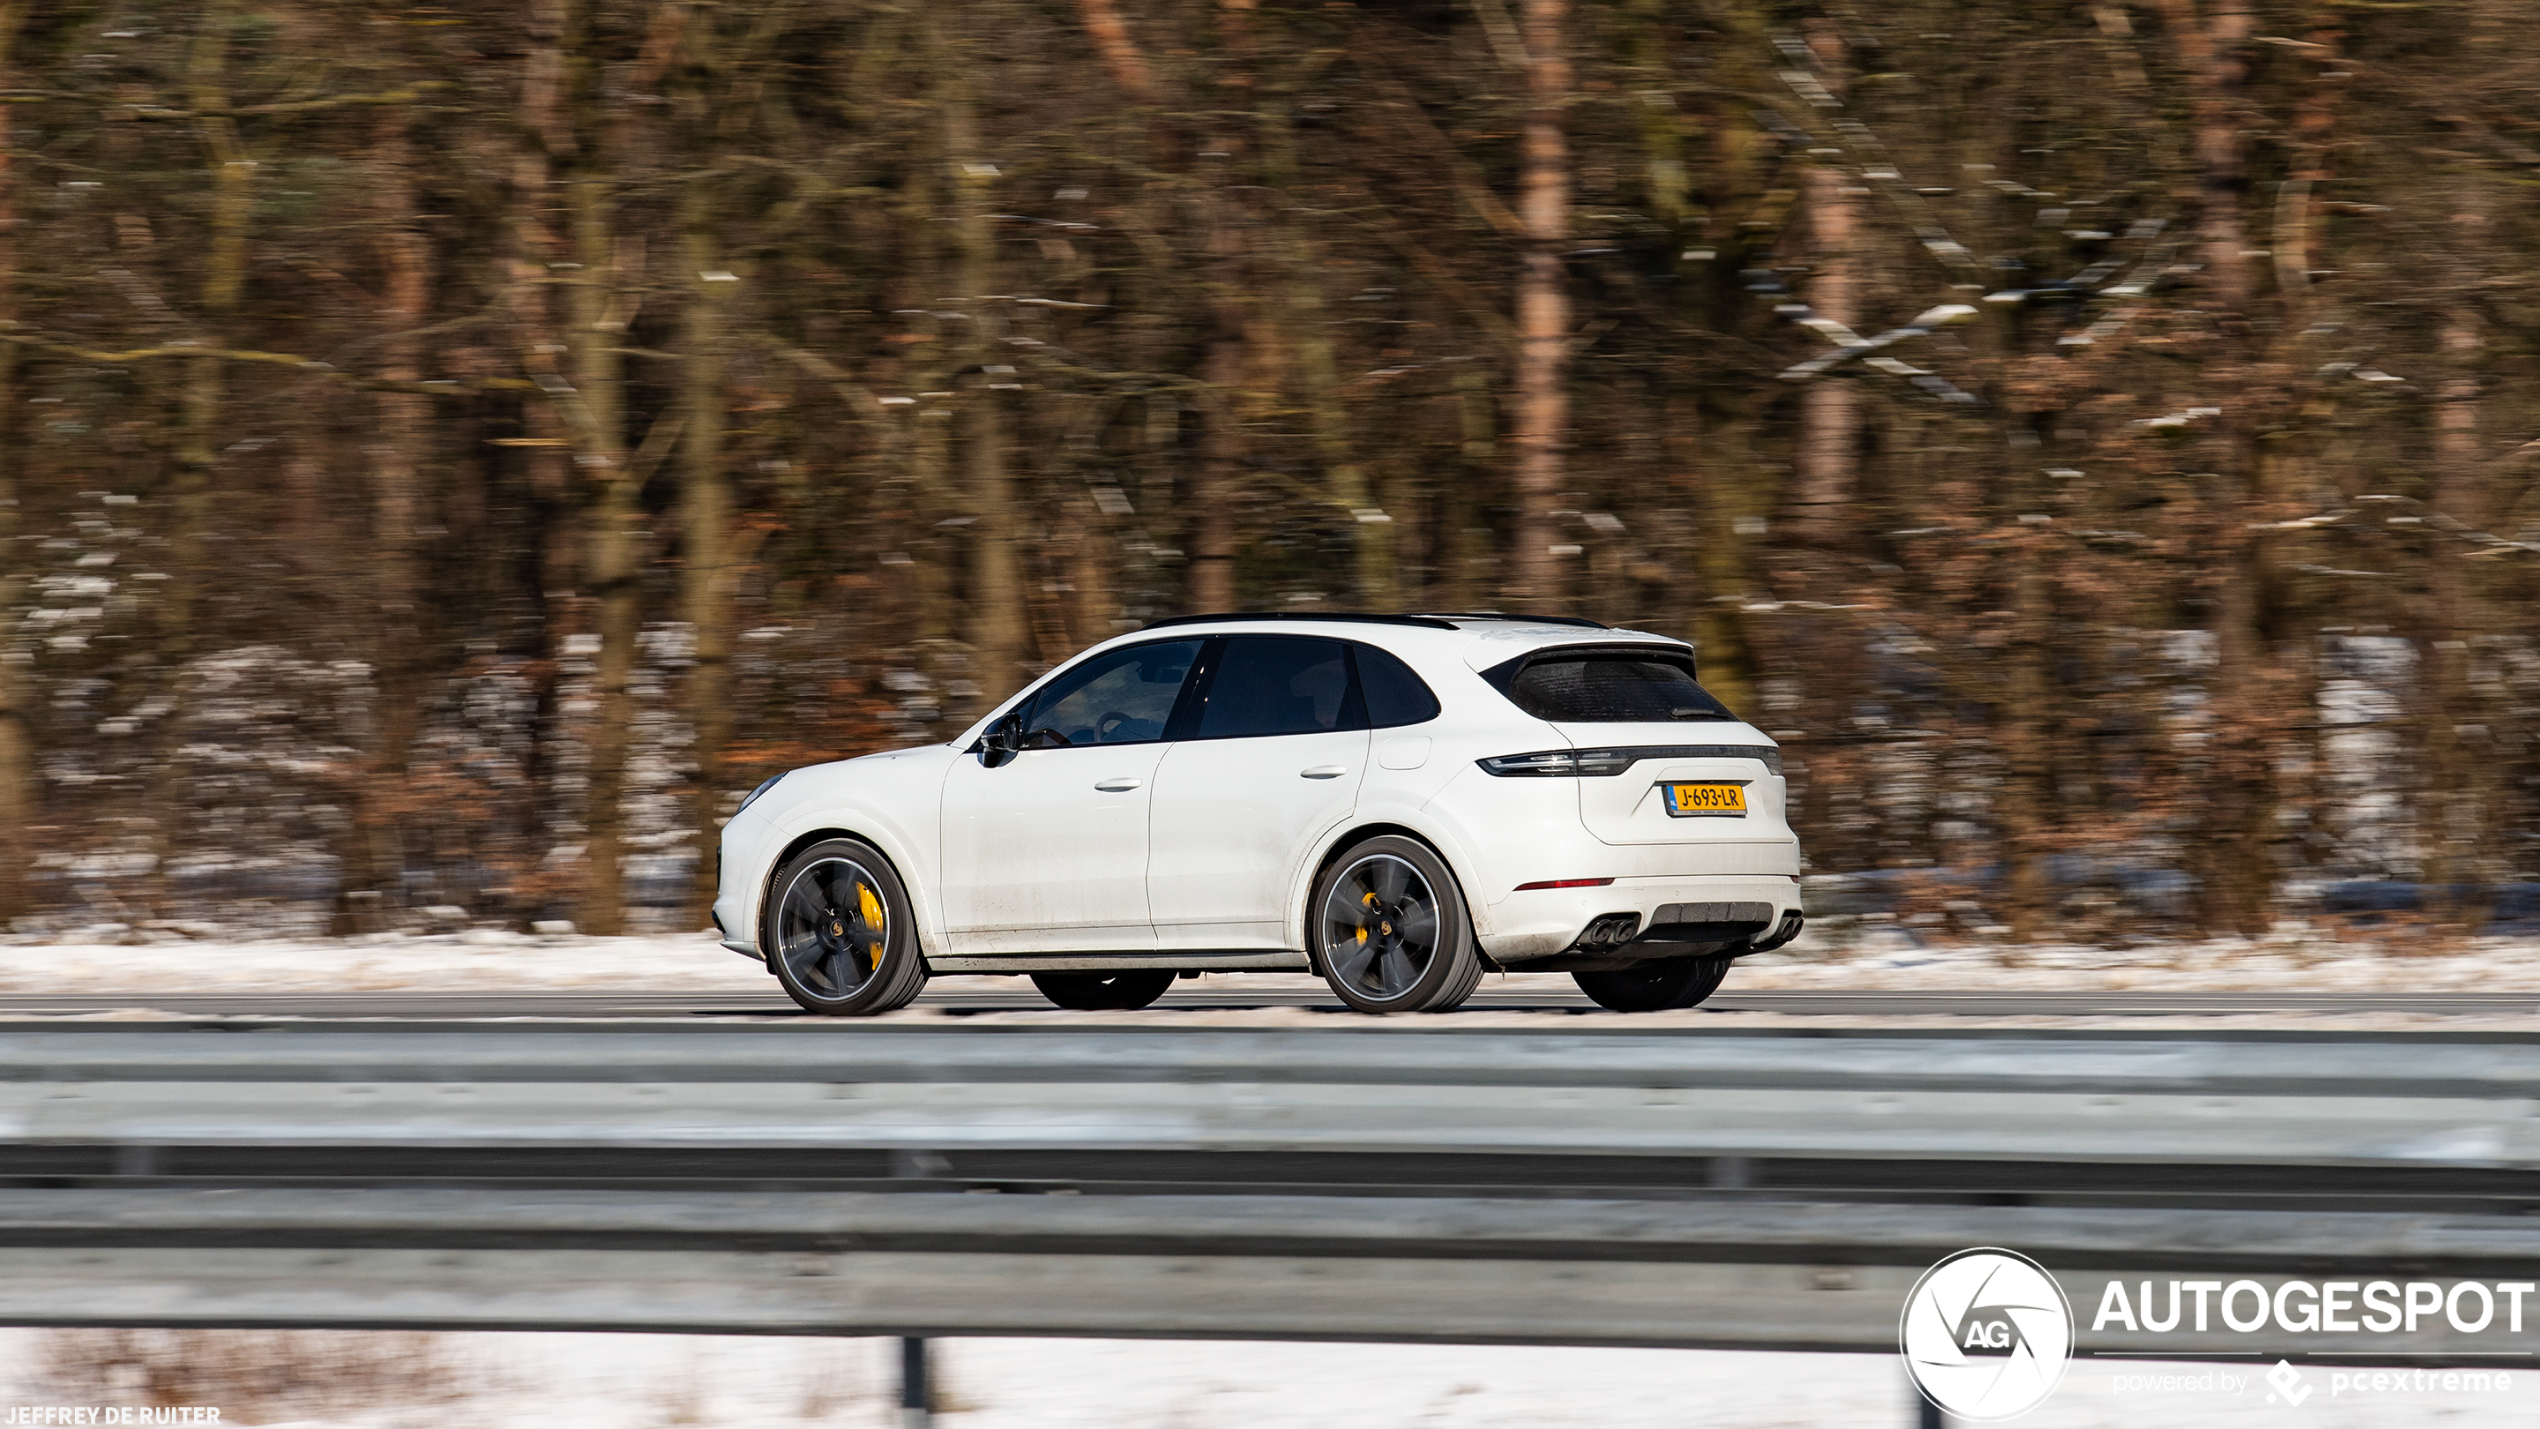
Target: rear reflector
x,y
1565,883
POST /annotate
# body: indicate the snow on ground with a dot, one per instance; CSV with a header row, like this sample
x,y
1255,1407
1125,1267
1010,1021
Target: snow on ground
x,y
492,960
638,1381
478,960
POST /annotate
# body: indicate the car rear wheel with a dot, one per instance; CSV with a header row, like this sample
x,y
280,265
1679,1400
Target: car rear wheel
x,y
1389,930
1103,992
1655,986
839,934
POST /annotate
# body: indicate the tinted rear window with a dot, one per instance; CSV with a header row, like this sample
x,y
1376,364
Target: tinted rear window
x,y
1612,688
1277,684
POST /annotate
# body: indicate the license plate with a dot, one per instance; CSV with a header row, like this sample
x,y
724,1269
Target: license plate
x,y
1706,801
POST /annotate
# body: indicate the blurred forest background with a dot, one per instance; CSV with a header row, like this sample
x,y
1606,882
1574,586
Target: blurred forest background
x,y
448,451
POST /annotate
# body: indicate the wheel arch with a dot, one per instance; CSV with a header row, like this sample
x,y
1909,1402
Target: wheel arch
x,y
796,844
1350,836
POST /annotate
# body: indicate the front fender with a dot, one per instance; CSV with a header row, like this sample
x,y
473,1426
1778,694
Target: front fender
x,y
891,801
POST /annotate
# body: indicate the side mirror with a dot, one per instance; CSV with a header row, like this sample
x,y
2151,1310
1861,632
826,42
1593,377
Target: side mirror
x,y
1004,740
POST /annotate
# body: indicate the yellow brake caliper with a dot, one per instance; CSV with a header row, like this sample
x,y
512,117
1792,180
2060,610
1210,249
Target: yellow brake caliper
x,y
1362,928
871,907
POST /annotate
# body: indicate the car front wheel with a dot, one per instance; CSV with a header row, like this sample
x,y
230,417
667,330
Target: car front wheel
x,y
839,933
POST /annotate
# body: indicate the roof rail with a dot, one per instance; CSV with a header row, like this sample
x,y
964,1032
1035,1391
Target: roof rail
x,y
1429,622
1572,620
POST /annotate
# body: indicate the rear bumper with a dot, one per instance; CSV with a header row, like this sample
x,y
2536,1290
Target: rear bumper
x,y
1681,916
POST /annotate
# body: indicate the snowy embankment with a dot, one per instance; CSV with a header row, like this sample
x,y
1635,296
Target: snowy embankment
x,y
498,1381
489,960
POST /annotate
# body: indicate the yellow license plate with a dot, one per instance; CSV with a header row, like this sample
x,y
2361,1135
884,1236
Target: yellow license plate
x,y
1698,801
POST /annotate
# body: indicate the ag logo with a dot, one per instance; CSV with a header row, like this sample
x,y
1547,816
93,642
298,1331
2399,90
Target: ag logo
x,y
1986,1334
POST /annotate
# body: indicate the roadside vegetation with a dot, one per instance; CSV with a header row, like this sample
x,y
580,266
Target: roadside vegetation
x,y
447,452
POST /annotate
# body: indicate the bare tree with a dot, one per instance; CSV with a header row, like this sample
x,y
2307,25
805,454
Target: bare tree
x,y
706,499
401,652
594,401
1829,437
1543,305
18,789
997,617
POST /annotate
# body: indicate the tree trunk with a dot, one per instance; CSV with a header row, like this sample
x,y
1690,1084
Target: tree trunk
x,y
197,454
1345,483
2452,789
1465,558
2210,53
1828,454
1543,310
1208,585
18,789
998,620
375,861
1208,582
1709,479
534,250
706,525
2238,818
595,404
2027,734
925,432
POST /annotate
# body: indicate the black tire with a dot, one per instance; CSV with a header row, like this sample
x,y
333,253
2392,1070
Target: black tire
x,y
1389,932
822,937
1103,992
1655,986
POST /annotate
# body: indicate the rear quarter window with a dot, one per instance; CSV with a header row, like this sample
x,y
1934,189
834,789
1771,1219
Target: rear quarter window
x,y
1395,696
1607,687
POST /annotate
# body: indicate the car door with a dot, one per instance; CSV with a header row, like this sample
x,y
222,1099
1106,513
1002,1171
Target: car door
x,y
1272,761
1047,852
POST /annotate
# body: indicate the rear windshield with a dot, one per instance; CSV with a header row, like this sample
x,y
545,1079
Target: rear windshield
x,y
1609,688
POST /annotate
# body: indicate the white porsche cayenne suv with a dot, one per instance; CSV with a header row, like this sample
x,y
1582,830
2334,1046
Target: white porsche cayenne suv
x,y
1396,802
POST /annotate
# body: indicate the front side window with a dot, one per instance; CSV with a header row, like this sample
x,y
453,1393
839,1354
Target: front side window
x,y
1608,687
1124,697
1279,684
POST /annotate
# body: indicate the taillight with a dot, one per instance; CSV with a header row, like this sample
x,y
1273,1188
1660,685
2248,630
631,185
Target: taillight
x,y
1605,763
1560,764
1564,883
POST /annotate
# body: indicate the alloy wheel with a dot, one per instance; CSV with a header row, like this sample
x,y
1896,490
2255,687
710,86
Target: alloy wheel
x,y
833,926
1380,927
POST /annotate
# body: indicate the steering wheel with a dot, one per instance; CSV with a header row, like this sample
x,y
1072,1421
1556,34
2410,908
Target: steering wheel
x,y
1108,725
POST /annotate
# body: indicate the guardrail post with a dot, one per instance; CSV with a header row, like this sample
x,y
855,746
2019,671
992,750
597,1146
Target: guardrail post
x,y
917,1408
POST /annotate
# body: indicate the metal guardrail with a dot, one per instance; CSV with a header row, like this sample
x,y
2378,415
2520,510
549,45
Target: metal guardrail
x,y
1753,1275
2144,1127
2348,1103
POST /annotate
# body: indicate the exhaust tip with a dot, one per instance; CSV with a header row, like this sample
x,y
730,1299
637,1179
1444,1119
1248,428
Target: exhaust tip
x,y
1612,930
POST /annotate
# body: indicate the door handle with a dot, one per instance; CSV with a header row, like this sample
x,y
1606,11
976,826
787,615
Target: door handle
x,y
1116,786
1324,771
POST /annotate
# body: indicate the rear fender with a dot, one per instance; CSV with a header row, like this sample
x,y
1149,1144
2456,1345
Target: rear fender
x,y
1372,820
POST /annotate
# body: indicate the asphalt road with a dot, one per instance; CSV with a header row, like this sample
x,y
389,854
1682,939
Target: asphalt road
x,y
1536,994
